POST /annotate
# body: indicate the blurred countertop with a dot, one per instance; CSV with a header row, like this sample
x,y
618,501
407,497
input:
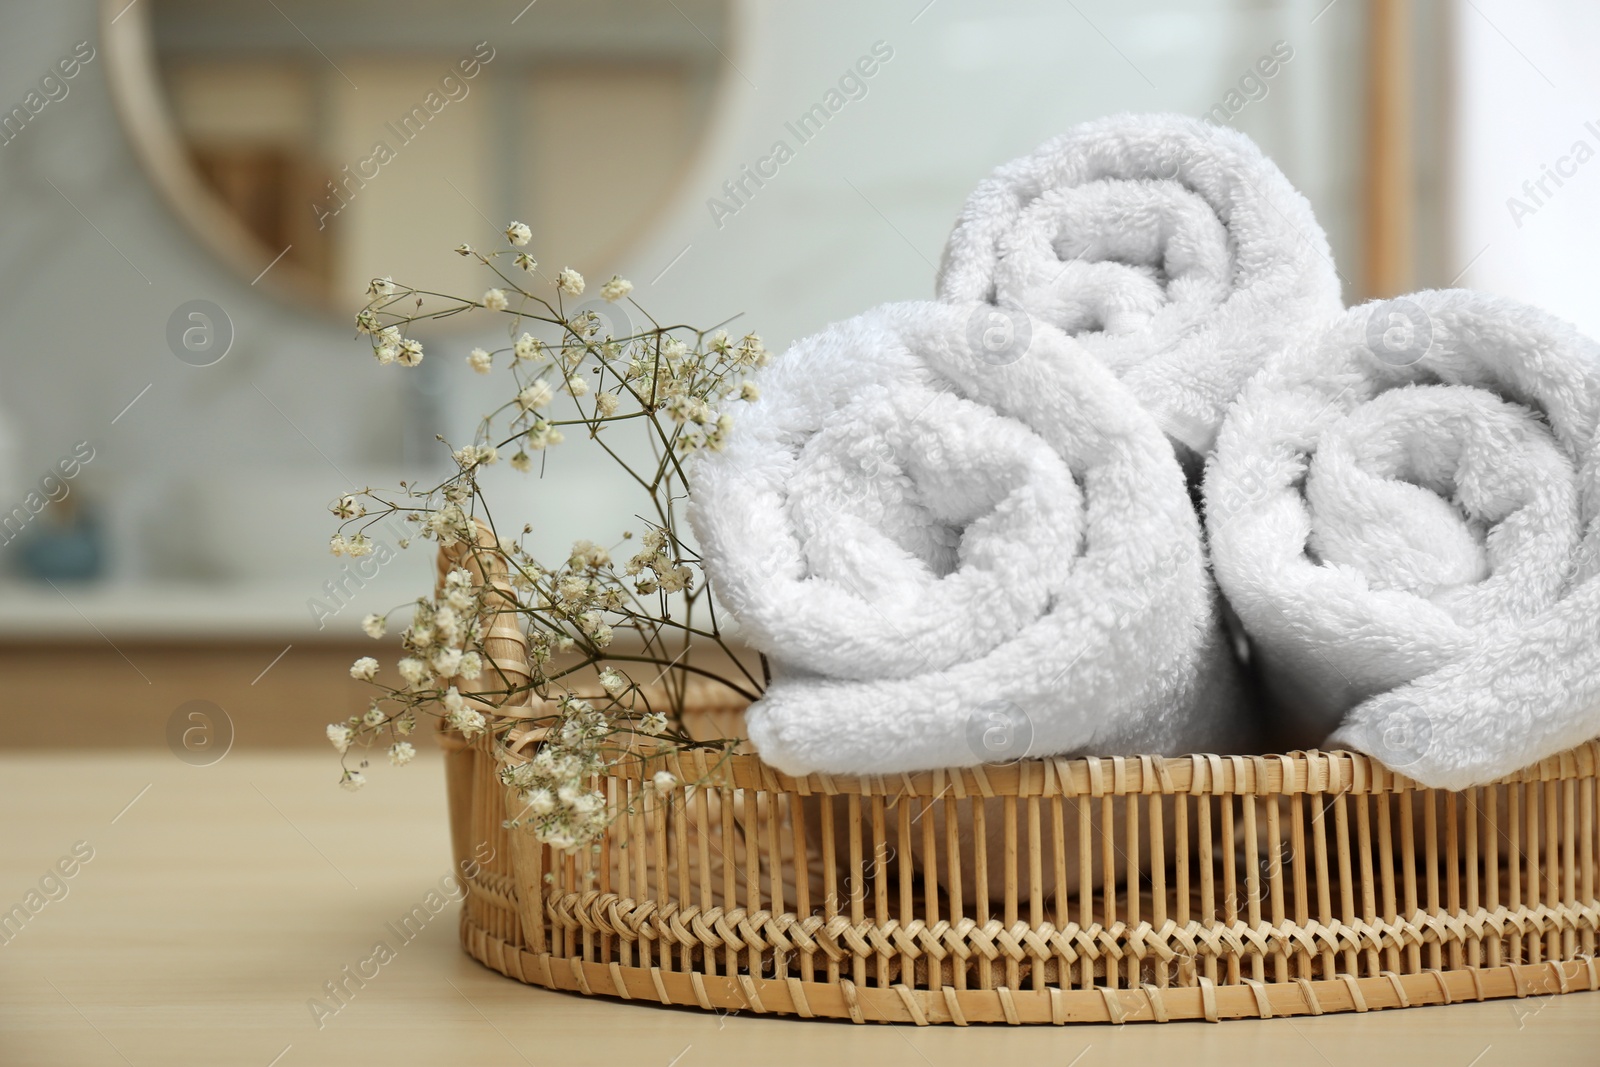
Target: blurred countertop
x,y
220,899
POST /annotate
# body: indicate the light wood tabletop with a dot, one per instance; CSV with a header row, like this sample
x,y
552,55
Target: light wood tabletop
x,y
216,902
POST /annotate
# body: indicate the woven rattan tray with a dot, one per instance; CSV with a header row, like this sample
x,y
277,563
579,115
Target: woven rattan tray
x,y
1295,884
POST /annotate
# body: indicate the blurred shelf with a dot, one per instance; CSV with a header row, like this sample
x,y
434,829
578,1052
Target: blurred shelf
x,y
180,612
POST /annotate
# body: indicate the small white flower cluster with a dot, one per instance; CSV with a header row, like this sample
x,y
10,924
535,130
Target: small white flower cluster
x,y
685,383
389,345
441,644
348,507
556,786
469,456
570,282
355,546
652,570
449,523
705,426
469,721
442,634
580,595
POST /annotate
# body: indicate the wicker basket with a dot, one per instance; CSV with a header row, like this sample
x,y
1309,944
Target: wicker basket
x,y
1296,884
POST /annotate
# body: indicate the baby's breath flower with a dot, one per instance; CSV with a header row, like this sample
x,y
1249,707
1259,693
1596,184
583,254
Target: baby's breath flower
x,y
518,234
420,633
353,780
613,682
469,722
469,456
587,554
751,352
536,395
463,249
681,381
718,435
447,661
542,435
673,579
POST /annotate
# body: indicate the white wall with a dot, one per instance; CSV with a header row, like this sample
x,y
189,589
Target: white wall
x,y
1528,107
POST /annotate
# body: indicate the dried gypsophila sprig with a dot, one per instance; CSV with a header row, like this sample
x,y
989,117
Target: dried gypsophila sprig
x,y
673,382
556,791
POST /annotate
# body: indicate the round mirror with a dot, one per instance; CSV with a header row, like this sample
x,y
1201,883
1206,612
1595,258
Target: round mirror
x,y
315,145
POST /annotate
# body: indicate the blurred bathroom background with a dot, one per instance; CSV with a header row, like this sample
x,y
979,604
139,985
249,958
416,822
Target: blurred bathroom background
x,y
194,199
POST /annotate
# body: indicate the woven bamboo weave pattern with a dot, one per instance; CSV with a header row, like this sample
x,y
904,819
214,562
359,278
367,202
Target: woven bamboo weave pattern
x,y
1113,889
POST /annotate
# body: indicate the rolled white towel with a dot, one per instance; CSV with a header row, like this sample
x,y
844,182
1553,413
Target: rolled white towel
x,y
1172,249
1405,514
952,559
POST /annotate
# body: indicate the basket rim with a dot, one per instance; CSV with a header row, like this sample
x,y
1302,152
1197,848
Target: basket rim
x,y
1198,774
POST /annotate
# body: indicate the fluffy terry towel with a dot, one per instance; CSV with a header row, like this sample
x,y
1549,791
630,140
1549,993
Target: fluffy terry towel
x,y
1173,250
1405,513
950,560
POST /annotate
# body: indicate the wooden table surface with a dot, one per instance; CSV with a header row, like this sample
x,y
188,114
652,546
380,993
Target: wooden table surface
x,y
219,900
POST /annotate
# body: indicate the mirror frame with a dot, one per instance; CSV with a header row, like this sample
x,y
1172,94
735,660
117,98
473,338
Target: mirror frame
x,y
134,80
136,93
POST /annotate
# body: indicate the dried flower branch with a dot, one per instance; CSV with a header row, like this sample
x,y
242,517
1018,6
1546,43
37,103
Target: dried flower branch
x,y
593,627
